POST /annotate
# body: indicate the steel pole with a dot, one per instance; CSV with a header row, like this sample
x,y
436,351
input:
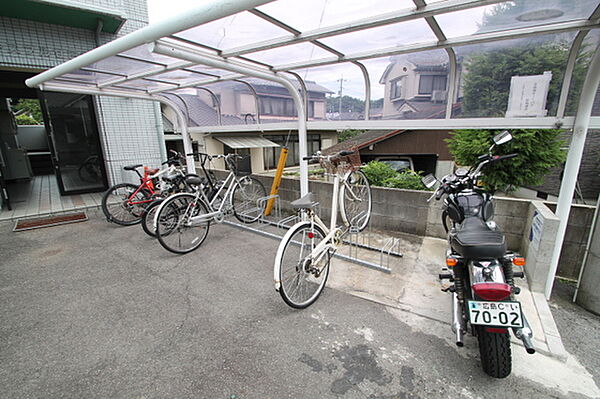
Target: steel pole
x,y
567,186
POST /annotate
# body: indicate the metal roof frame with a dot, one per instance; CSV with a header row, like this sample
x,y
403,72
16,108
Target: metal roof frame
x,y
237,63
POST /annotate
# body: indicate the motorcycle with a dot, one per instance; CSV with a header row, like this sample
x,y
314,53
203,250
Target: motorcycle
x,y
480,267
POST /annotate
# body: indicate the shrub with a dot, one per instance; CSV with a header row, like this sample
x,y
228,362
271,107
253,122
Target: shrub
x,y
539,151
377,172
406,179
381,174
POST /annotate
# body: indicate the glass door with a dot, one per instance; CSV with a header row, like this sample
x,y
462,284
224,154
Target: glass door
x,y
74,142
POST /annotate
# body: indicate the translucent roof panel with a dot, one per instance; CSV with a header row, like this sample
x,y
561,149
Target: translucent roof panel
x,y
513,14
236,30
487,71
288,54
312,14
409,86
325,84
409,32
591,41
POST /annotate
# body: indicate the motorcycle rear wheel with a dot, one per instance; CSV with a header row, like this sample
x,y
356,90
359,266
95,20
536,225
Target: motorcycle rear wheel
x,y
495,353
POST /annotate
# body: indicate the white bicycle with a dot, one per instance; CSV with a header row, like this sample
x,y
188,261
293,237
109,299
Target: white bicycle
x,y
304,254
182,220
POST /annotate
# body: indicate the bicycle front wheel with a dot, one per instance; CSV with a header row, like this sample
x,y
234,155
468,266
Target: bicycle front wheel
x,y
302,273
245,200
175,229
148,217
119,205
355,200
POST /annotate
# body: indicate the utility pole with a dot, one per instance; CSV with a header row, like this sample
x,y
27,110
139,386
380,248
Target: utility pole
x,y
341,80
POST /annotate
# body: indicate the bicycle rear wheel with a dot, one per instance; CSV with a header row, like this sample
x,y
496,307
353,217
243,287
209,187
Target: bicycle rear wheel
x,y
355,200
302,276
245,200
120,207
175,230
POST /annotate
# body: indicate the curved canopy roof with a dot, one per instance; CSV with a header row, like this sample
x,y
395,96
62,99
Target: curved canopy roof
x,y
338,45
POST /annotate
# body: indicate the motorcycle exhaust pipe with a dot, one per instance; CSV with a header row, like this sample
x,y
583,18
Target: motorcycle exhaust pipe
x,y
525,334
457,320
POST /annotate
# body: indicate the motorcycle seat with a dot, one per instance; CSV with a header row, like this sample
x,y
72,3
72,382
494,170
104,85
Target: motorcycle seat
x,y
475,240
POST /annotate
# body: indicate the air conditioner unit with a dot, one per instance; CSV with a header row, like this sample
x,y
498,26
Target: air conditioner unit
x,y
439,96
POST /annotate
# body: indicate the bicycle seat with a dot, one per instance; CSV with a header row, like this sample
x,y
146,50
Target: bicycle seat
x,y
195,180
132,167
305,202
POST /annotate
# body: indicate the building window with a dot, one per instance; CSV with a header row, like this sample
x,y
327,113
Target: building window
x,y
271,154
277,106
429,83
395,88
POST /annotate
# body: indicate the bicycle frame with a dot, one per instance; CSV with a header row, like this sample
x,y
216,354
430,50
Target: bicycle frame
x,y
230,182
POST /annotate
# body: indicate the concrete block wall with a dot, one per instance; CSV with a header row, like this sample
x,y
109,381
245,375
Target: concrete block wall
x,y
407,211
129,129
576,238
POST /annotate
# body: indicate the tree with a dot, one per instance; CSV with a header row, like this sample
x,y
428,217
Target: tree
x,y
28,112
539,151
350,104
488,73
487,83
348,134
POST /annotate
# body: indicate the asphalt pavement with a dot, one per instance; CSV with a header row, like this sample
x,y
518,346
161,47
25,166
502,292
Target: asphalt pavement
x,y
95,310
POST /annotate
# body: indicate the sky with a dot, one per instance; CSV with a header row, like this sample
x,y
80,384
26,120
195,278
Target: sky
x,y
305,15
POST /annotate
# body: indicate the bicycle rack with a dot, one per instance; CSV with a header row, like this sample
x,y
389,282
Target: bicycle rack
x,y
357,240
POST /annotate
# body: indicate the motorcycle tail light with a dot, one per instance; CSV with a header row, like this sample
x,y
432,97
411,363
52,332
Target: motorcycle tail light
x,y
492,291
451,262
518,261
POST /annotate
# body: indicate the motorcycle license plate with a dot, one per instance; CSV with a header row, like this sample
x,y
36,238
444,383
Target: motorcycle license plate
x,y
496,314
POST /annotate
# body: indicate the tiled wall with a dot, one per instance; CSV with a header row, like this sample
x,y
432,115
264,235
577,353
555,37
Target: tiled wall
x,y
129,128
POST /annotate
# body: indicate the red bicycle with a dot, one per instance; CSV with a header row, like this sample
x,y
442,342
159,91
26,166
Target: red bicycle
x,y
124,203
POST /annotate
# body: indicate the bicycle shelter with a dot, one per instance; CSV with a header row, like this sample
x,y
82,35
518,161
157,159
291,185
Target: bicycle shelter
x,y
245,40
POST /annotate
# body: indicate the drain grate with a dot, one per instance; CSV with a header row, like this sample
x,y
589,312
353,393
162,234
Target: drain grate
x,y
48,221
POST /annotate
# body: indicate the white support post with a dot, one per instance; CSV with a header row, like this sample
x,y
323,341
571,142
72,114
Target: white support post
x,y
567,186
186,53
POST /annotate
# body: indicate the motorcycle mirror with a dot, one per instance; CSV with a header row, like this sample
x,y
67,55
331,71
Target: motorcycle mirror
x,y
503,137
429,180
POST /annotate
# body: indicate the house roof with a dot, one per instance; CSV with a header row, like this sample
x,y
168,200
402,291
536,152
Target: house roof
x,y
361,141
201,114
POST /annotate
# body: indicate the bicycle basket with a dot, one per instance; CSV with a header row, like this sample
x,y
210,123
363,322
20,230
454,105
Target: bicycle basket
x,y
240,166
342,164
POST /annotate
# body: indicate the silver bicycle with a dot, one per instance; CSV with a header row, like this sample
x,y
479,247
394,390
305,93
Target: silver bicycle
x,y
304,254
182,220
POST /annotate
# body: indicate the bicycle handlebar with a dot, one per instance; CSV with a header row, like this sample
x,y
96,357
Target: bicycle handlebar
x,y
319,156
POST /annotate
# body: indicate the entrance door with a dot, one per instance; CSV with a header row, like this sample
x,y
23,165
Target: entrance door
x,y
74,142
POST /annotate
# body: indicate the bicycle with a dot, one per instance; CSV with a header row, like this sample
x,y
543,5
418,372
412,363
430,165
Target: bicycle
x,y
304,254
182,221
124,203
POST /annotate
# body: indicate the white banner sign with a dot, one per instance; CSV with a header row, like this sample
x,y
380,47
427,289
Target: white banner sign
x,y
528,95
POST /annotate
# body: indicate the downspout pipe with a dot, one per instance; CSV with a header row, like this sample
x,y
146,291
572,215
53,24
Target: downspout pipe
x,y
567,186
173,50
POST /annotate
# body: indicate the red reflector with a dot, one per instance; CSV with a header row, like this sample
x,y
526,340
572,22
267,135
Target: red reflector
x,y
496,330
492,291
311,235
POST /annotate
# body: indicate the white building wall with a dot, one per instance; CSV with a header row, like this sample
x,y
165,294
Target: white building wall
x,y
129,128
